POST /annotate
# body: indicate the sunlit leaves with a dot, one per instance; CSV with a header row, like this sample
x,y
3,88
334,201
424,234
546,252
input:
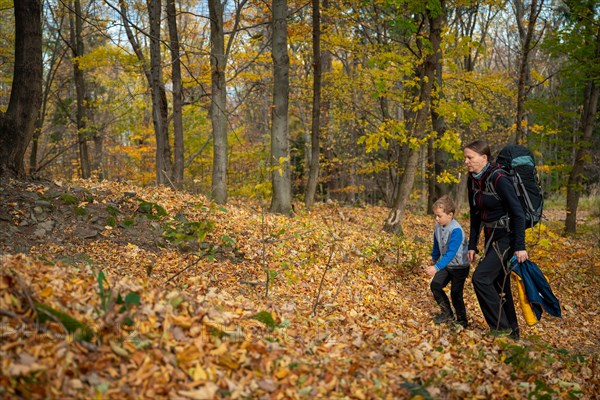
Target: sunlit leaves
x,y
450,142
388,130
447,177
105,56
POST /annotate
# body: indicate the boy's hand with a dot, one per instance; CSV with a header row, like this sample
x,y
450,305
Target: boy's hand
x,y
430,270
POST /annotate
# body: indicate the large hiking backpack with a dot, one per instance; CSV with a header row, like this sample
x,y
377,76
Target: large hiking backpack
x,y
518,163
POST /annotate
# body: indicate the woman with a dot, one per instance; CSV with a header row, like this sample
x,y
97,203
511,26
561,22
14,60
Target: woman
x,y
503,220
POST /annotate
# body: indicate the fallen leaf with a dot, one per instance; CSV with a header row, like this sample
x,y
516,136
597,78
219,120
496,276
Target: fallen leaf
x,y
206,392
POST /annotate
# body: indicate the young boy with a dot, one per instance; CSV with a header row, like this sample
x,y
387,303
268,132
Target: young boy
x,y
450,262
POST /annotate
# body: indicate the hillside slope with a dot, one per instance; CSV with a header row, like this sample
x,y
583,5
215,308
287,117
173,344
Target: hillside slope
x,y
128,292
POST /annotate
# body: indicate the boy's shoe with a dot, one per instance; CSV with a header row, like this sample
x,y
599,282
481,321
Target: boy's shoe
x,y
462,322
442,317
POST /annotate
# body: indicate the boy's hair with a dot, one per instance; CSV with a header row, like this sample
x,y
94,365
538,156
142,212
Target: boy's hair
x,y
445,203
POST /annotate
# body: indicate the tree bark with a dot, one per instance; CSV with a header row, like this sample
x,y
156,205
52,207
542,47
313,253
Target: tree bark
x,y
281,201
178,146
590,108
218,102
394,221
437,159
315,152
77,49
159,97
17,124
153,73
526,32
57,54
430,174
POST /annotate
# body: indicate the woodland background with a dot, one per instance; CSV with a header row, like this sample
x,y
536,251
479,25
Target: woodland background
x,y
153,152
360,102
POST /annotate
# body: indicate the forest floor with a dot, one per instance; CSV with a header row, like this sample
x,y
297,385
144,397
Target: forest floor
x,y
114,291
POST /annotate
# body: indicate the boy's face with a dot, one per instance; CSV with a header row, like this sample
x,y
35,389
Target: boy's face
x,y
441,217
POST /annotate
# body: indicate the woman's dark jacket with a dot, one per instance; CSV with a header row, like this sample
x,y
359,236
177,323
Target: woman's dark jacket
x,y
538,289
488,208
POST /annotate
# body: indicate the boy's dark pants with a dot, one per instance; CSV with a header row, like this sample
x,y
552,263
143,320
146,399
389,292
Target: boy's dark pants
x,y
489,280
441,278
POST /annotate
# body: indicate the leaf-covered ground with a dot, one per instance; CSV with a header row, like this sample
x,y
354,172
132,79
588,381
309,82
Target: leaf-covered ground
x,y
133,293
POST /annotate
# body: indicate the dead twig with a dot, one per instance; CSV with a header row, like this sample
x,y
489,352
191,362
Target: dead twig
x,y
339,286
327,267
192,264
9,314
253,284
271,239
25,290
264,250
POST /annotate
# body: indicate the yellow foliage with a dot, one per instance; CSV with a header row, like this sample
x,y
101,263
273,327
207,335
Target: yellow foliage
x,y
539,77
450,142
542,236
386,131
537,129
104,56
447,177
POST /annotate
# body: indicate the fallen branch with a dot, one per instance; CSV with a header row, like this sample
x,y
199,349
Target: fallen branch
x,y
264,250
183,270
272,239
38,310
9,314
339,286
327,267
253,284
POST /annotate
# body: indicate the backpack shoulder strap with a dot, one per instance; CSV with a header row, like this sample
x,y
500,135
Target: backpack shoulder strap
x,y
492,179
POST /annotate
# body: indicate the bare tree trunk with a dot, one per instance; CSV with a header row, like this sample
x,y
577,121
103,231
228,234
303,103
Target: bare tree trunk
x,y
590,108
438,161
159,97
394,221
326,68
526,31
77,49
437,123
33,153
313,174
18,122
280,155
98,165
153,72
178,146
53,63
460,194
430,174
218,102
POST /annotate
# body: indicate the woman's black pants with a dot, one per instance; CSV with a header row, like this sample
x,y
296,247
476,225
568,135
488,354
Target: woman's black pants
x,y
491,281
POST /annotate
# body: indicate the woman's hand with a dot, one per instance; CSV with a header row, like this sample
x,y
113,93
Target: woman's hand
x,y
521,255
471,256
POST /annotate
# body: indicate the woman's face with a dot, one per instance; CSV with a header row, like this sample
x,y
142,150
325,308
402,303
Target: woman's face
x,y
475,161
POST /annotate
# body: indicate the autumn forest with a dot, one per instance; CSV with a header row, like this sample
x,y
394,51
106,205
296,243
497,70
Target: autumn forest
x,y
232,198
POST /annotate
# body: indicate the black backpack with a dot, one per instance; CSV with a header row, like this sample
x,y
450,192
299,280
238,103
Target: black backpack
x,y
518,163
